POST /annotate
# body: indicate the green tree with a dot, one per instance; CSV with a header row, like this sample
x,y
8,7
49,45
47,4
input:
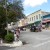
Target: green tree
x,y
14,13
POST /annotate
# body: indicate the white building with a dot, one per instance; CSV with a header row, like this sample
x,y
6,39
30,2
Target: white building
x,y
32,18
36,16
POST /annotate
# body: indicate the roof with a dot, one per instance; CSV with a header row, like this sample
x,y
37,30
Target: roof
x,y
38,11
35,12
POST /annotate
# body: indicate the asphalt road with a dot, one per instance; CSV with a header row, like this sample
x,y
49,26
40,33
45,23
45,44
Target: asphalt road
x,y
34,40
5,48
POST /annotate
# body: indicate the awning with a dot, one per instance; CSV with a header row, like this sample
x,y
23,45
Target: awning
x,y
46,20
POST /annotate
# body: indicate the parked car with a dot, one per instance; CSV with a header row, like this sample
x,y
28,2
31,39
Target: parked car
x,y
24,29
33,29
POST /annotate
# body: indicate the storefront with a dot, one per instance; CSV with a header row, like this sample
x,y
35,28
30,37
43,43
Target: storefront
x,y
46,21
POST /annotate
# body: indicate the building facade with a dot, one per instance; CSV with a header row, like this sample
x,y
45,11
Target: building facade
x,y
46,20
22,22
34,18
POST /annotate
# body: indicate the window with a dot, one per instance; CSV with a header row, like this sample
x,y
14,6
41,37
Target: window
x,y
36,16
32,18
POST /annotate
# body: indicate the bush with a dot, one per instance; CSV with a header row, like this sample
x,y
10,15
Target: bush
x,y
9,38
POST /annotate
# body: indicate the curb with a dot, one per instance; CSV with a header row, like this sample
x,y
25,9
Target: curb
x,y
14,44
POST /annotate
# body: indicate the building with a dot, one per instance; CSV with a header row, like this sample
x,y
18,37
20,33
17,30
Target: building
x,y
46,20
36,17
22,22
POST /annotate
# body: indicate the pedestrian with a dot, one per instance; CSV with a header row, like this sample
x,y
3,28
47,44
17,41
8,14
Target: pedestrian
x,y
39,27
34,28
17,33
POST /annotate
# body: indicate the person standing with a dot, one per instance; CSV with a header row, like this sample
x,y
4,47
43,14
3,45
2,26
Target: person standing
x,y
17,33
39,27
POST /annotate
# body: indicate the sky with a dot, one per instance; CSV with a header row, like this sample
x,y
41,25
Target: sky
x,y
31,6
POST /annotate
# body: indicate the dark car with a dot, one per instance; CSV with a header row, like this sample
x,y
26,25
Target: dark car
x,y
33,29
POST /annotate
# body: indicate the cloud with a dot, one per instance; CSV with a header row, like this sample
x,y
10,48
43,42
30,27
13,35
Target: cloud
x,y
33,3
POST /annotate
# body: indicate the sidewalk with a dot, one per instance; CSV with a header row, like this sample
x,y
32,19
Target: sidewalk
x,y
14,44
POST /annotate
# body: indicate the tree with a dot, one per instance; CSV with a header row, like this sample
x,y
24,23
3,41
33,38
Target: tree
x,y
2,22
14,12
14,8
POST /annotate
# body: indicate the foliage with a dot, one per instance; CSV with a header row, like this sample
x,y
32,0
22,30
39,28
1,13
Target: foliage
x,y
9,38
14,13
14,10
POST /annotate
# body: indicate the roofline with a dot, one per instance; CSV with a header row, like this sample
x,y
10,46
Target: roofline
x,y
37,11
34,12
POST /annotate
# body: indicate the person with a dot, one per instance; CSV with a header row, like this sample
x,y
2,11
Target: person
x,y
34,28
17,33
39,27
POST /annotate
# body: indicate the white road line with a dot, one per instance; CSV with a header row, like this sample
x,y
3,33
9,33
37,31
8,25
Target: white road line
x,y
38,45
42,38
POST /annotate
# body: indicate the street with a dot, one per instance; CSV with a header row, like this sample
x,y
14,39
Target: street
x,y
34,40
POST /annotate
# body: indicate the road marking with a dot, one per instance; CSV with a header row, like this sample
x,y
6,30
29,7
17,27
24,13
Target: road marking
x,y
38,45
42,38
